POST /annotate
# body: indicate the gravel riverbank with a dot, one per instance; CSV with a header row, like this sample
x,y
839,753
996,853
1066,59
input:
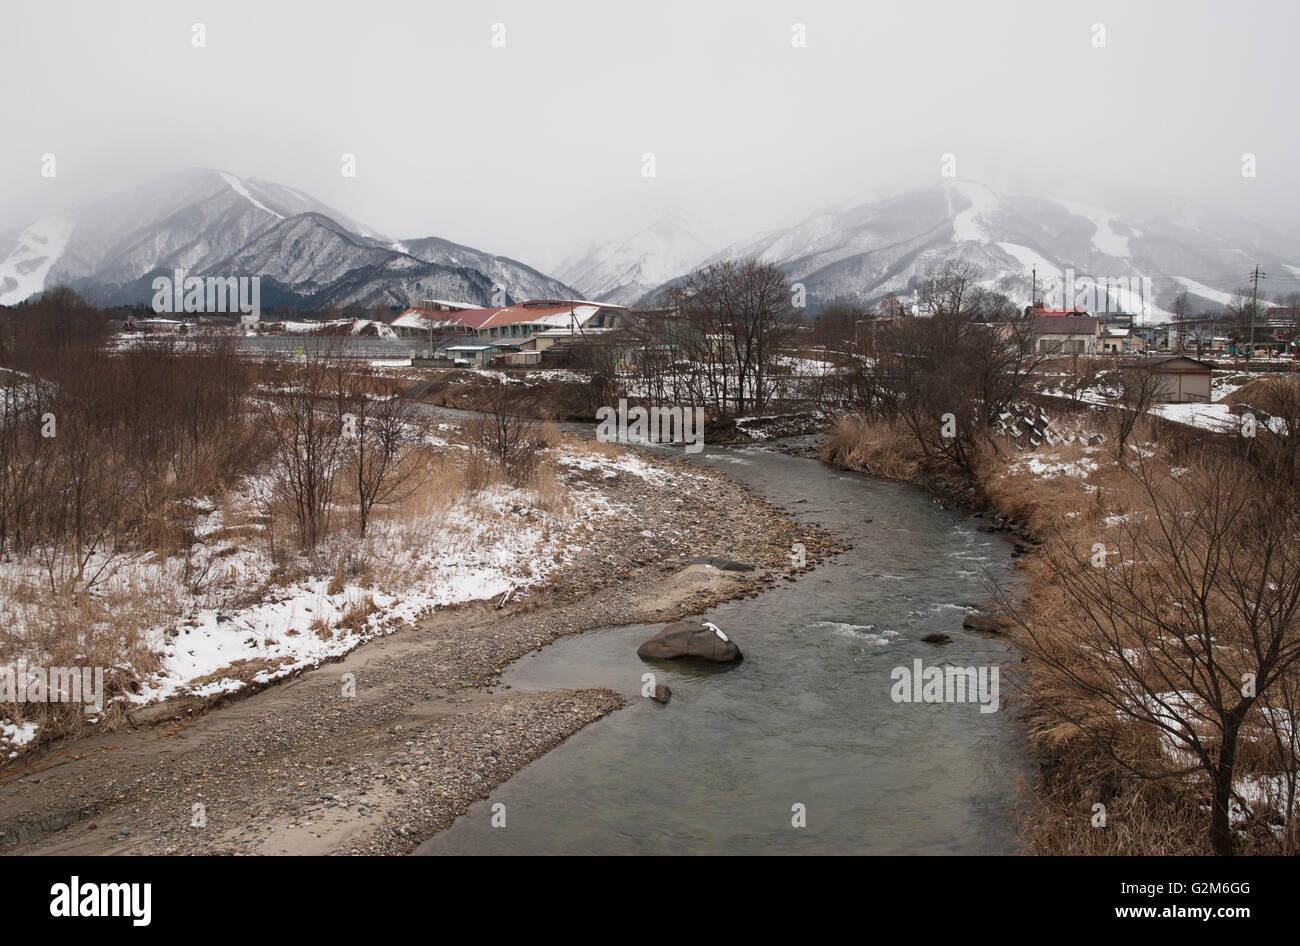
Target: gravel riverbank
x,y
373,753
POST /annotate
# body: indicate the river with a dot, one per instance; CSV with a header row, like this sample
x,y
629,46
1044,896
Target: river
x,y
806,719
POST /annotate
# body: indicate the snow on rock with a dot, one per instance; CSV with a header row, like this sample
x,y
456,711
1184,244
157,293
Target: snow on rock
x,y
710,626
623,272
13,736
628,462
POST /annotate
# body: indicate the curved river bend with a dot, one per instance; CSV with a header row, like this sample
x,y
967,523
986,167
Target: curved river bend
x,y
806,719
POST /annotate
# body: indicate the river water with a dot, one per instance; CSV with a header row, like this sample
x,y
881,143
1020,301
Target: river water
x,y
806,719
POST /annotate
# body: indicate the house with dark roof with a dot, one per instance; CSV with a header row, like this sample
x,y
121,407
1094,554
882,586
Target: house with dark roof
x,y
1066,334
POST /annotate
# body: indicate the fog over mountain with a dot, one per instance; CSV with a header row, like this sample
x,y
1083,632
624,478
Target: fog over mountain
x,y
853,147
867,251
623,271
530,140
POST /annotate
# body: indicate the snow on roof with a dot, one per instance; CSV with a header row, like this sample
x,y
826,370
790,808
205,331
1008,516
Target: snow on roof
x,y
420,318
568,332
449,302
568,302
556,315
550,312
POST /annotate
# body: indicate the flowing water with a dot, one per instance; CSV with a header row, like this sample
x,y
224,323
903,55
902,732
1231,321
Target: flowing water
x,y
806,719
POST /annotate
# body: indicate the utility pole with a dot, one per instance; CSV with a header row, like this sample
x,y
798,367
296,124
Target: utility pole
x,y
1254,305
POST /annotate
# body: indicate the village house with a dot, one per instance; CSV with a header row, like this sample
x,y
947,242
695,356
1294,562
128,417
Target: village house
x,y
472,353
1120,341
1181,378
1067,334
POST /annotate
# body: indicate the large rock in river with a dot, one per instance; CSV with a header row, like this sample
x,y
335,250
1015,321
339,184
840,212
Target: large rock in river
x,y
692,638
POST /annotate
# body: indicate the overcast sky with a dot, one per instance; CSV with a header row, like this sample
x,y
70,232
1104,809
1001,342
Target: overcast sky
x,y
535,148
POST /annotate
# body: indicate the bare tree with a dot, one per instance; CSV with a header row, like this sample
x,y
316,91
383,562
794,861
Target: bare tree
x,y
306,432
1139,389
1181,307
734,317
381,443
1160,650
957,370
1243,311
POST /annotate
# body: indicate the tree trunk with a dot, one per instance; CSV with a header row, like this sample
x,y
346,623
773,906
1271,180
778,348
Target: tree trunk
x,y
1221,809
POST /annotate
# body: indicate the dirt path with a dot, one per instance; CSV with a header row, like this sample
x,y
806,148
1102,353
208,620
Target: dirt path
x,y
303,768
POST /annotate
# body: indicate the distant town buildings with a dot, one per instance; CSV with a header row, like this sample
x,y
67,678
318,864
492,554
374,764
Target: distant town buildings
x,y
517,334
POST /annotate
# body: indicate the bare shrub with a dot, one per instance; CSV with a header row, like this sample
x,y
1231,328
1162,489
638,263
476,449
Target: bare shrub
x,y
504,438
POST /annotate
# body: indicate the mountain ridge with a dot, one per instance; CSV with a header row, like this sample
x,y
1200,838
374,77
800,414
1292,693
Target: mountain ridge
x,y
210,222
865,252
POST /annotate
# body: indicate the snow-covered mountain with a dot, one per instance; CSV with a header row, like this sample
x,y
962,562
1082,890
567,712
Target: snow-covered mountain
x,y
865,252
211,222
623,272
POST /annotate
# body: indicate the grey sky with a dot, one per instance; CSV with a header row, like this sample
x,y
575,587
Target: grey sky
x,y
535,149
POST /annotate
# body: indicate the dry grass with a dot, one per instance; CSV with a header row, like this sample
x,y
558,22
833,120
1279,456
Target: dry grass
x,y
600,448
106,627
1166,816
873,447
1262,392
552,495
